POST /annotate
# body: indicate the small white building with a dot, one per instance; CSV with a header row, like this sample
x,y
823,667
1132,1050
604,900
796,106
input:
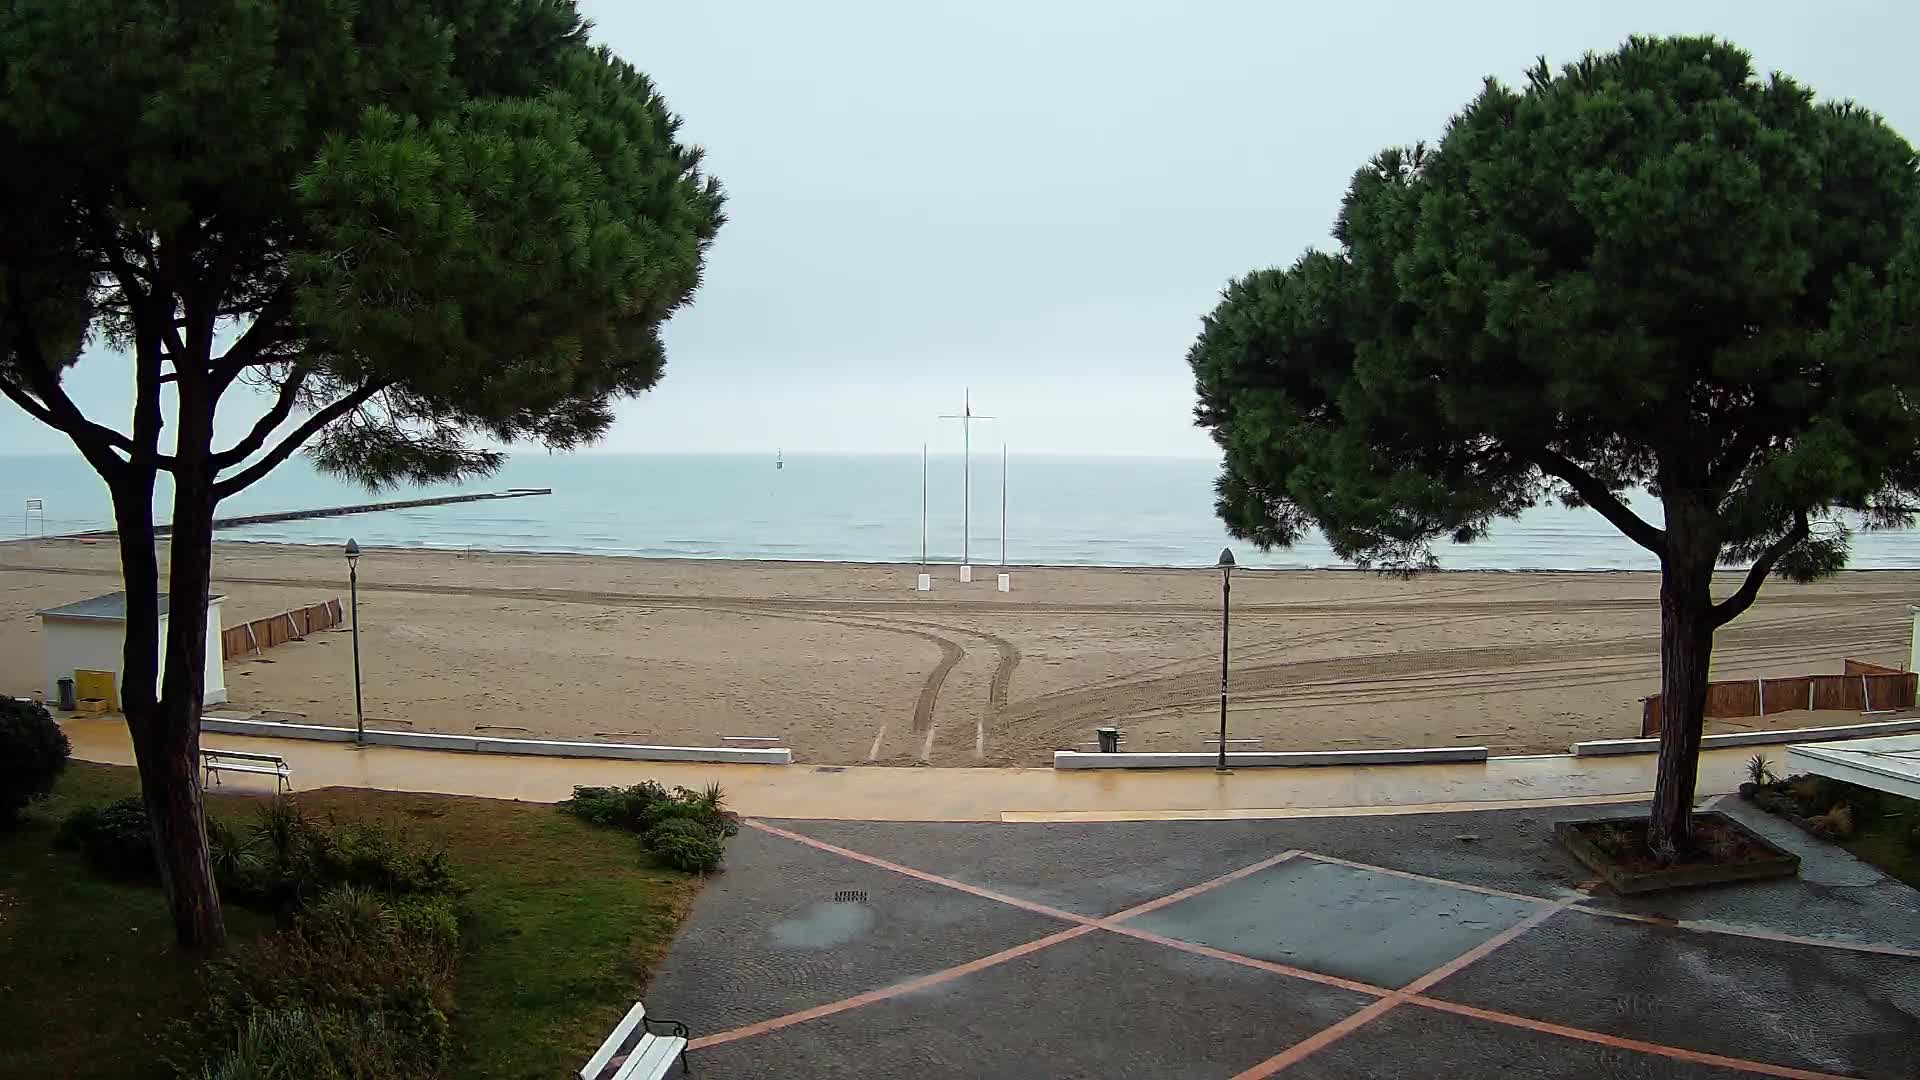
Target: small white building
x,y
90,635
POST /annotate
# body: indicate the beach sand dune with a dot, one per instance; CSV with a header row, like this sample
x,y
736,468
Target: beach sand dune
x,y
847,664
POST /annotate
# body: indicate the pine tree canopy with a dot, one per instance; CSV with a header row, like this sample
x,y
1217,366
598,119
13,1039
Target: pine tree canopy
x,y
1649,269
410,222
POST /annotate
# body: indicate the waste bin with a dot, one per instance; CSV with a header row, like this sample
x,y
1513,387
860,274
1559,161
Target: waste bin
x,y
67,701
1109,739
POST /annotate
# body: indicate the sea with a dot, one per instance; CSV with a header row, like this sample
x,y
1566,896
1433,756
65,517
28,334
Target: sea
x,y
1058,511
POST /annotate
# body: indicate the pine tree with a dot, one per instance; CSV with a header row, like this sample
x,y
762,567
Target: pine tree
x,y
1650,270
415,229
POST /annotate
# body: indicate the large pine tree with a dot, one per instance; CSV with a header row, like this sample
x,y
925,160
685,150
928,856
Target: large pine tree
x,y
1651,269
374,228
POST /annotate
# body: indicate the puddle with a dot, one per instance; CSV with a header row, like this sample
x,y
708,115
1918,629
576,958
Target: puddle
x,y
824,926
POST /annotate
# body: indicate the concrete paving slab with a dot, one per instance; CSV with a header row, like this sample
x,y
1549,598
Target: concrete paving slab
x,y
1413,1042
1338,920
1803,1006
767,936
1098,1006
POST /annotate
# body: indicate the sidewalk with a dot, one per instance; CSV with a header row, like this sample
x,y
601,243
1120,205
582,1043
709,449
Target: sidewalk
x,y
872,793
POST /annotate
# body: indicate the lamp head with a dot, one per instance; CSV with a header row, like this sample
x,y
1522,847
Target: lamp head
x,y
353,551
1226,559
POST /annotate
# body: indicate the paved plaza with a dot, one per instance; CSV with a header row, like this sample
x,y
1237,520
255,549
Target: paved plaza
x,y
1457,945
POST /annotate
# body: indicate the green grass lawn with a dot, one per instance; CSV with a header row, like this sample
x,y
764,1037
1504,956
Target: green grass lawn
x,y
561,923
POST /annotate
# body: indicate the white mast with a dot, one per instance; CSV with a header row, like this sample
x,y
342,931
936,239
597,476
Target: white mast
x,y
1003,505
966,418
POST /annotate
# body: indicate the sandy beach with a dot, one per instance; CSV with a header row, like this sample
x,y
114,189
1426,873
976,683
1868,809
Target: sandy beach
x,y
848,664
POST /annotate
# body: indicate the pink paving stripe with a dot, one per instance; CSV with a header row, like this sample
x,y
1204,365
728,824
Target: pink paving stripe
x,y
1677,924
1249,961
1388,999
1480,951
908,987
1745,932
1319,1040
1657,1049
934,879
1205,886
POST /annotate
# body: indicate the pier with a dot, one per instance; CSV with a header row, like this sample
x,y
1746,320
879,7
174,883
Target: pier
x,y
343,511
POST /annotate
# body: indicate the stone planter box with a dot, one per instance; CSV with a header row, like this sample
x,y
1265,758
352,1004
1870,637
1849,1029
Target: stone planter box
x,y
1779,863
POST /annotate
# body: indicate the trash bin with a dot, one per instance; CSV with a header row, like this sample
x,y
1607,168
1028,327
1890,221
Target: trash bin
x,y
67,701
1109,739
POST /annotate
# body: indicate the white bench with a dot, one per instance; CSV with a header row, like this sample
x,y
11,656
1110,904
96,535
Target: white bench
x,y
216,762
633,1052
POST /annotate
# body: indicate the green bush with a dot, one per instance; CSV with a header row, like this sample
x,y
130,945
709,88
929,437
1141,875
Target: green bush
x,y
115,839
295,859
683,829
33,753
685,844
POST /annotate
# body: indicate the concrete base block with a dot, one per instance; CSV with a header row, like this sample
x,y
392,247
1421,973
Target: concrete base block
x,y
1006,583
1254,759
480,744
1607,747
966,572
923,583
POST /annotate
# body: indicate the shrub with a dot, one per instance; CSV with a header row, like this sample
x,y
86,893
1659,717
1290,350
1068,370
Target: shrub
x,y
115,839
683,829
1760,771
300,859
368,975
1836,823
33,753
685,844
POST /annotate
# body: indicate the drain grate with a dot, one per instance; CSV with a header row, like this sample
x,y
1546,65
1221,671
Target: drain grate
x,y
850,896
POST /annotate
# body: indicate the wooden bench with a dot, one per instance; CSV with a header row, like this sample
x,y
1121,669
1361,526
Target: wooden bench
x,y
216,762
633,1052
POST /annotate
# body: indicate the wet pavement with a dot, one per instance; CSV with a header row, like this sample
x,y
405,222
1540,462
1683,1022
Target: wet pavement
x,y
1433,945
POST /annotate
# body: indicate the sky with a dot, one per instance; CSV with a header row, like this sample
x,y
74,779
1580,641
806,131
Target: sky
x,y
1039,201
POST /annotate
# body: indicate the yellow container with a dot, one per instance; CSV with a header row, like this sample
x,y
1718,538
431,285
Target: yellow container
x,y
98,685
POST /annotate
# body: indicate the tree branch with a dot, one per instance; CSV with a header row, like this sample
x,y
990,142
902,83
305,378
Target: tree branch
x,y
241,480
1595,494
282,408
1729,609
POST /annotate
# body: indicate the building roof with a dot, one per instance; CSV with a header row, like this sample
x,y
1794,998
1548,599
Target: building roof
x,y
112,607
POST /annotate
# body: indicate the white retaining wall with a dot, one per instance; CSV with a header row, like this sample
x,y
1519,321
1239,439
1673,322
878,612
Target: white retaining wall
x,y
422,740
1075,759
1602,747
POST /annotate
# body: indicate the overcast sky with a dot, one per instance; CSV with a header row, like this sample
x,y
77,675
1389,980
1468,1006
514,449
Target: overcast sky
x,y
1040,200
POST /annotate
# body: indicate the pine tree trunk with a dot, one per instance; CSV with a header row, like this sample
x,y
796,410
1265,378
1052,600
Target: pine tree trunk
x,y
175,804
1686,655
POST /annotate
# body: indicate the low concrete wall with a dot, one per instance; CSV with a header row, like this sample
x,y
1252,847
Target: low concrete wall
x,y
1254,759
1605,747
481,744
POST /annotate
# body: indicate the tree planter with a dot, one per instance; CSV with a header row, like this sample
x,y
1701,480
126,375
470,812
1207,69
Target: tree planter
x,y
1757,857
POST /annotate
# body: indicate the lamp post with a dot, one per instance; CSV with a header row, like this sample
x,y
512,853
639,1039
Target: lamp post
x,y
1226,599
353,591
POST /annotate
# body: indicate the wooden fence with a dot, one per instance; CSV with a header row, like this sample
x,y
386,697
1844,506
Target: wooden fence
x,y
254,638
1864,688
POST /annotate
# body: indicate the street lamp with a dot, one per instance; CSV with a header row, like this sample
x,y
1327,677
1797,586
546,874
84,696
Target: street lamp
x,y
1226,598
353,589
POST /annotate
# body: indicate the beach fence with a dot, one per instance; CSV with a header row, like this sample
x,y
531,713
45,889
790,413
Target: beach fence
x,y
256,637
1863,687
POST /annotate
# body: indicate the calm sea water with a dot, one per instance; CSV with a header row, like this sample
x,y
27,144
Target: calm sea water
x,y
1100,511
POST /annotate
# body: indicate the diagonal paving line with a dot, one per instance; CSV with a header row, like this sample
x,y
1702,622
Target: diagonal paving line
x,y
922,875
896,990
1656,1049
1387,999
1327,1036
1581,905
